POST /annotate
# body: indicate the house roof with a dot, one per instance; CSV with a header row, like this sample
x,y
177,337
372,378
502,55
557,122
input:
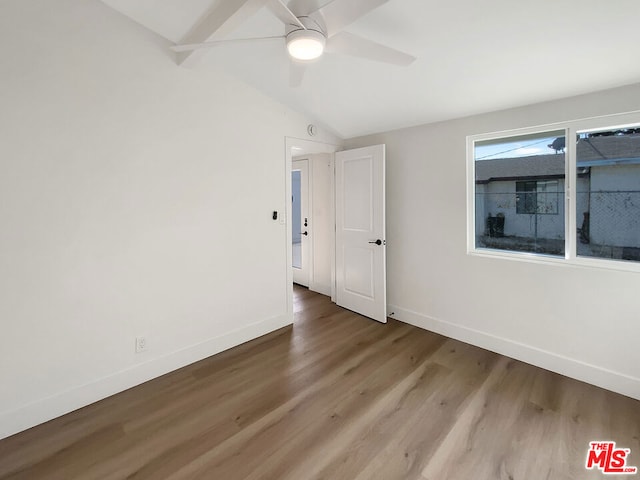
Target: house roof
x,y
536,166
618,147
591,152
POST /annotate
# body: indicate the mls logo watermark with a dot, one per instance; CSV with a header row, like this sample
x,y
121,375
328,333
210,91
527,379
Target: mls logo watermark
x,y
611,460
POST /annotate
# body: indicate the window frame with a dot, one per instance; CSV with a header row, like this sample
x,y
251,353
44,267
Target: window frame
x,y
571,129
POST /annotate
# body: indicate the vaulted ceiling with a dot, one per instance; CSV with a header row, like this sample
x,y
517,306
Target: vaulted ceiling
x,y
473,57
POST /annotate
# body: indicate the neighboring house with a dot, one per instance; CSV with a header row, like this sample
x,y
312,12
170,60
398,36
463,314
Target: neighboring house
x,y
528,192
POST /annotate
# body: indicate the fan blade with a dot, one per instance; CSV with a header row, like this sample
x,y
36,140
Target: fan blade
x,y
296,73
304,8
340,13
280,10
349,44
187,47
220,21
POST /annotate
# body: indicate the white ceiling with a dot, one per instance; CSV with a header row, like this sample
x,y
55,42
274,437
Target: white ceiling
x,y
473,56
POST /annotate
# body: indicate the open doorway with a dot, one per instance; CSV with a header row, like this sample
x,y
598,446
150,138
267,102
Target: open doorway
x,y
310,229
301,244
343,225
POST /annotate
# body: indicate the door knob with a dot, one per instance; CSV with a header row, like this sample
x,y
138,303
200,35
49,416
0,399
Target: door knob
x,y
377,242
304,233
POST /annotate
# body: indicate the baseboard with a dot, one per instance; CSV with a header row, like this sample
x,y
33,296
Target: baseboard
x,y
601,377
54,406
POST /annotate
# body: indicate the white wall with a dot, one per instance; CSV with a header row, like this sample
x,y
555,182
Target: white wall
x,y
579,321
133,194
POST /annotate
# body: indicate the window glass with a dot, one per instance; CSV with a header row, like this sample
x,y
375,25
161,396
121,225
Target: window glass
x,y
519,192
608,194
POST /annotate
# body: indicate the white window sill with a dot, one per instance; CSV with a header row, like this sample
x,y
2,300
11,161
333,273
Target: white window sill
x,y
582,262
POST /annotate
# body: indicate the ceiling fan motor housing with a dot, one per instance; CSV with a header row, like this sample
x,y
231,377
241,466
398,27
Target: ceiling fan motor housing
x,y
305,44
311,22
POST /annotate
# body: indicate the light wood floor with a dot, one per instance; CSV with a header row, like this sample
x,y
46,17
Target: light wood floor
x,y
336,397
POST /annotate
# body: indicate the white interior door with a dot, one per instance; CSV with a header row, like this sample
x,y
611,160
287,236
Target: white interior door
x,y
300,222
360,232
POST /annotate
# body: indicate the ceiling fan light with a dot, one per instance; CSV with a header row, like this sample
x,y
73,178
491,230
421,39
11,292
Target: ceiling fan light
x,y
305,44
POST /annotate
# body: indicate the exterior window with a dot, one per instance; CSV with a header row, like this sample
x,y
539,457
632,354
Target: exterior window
x,y
539,197
608,194
519,182
526,201
519,203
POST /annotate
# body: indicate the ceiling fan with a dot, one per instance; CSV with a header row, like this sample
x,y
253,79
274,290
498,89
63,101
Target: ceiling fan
x,y
309,31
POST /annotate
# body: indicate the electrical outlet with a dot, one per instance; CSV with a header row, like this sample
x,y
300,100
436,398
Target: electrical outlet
x,y
141,344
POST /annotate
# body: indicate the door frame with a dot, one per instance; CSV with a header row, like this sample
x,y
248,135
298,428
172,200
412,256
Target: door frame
x,y
296,147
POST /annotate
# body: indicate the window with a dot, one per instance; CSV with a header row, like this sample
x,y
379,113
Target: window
x,y
519,201
518,183
539,197
608,194
526,201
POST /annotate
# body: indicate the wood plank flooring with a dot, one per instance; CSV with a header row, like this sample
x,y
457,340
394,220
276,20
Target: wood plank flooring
x,y
336,397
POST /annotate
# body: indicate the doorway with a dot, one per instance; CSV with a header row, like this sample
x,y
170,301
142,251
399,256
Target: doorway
x,y
320,236
344,254
301,247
